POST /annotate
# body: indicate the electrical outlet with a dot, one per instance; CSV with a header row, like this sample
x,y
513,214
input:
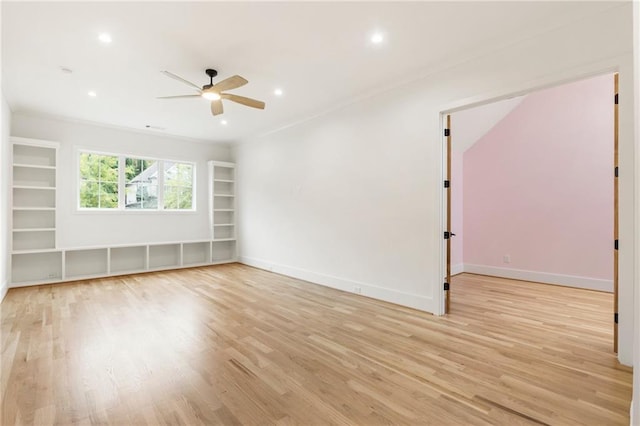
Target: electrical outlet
x,y
506,258
357,289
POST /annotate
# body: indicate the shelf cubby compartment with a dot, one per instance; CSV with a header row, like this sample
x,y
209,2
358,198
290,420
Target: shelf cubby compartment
x,y
223,232
196,253
34,239
223,217
34,176
84,263
34,219
34,197
128,259
36,267
222,202
164,256
223,251
223,188
31,155
223,173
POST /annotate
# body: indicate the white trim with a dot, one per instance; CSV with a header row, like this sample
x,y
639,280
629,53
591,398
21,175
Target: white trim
x,y
542,277
4,288
456,269
410,300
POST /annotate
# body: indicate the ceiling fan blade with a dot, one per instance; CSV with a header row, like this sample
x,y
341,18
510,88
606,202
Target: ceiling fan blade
x,y
175,77
230,83
178,97
253,103
216,107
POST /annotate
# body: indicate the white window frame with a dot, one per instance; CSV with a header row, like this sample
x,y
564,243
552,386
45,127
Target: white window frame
x,y
122,183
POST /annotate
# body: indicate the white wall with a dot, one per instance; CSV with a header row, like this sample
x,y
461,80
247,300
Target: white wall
x,y
354,198
82,229
5,155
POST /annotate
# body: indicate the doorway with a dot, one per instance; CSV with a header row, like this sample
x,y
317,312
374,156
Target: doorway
x,y
540,188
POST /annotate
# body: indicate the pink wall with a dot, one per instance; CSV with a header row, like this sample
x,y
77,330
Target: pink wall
x,y
457,188
539,185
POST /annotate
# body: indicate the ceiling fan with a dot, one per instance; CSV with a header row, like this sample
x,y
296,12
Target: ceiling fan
x,y
213,92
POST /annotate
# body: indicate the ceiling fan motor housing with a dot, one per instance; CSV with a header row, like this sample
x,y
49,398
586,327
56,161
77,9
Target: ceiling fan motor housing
x,y
211,73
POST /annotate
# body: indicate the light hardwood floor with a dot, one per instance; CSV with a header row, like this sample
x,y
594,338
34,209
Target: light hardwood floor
x,y
235,345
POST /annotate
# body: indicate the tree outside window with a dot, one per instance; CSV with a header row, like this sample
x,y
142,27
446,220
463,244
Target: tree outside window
x,y
98,181
178,186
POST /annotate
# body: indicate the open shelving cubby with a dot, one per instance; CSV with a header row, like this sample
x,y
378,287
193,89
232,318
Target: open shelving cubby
x,y
196,253
86,263
164,256
127,260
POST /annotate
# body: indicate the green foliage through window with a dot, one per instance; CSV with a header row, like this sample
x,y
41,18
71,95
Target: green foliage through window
x,y
98,181
100,176
178,186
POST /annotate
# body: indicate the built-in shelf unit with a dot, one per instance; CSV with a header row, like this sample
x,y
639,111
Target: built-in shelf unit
x,y
36,257
222,210
33,217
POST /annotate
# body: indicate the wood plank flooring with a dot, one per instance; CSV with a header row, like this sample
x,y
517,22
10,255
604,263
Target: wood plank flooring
x,y
231,344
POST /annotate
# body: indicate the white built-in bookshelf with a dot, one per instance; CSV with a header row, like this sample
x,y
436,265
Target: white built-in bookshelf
x,y
222,209
36,257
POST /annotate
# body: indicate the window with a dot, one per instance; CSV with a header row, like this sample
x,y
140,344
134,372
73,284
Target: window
x,y
129,183
98,181
178,186
141,184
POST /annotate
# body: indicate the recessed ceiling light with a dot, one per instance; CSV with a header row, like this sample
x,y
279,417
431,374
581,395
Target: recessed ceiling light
x,y
212,96
278,92
223,122
377,38
92,94
105,38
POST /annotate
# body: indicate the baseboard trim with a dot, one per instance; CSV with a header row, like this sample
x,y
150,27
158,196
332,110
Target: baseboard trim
x,y
414,301
456,269
4,288
542,277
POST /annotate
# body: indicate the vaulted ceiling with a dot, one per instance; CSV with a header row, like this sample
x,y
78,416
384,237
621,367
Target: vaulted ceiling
x,y
320,55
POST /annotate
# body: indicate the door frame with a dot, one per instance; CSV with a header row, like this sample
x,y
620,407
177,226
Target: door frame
x,y
446,142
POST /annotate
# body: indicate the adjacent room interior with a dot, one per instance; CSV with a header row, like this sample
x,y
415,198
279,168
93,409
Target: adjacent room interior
x,y
222,213
532,188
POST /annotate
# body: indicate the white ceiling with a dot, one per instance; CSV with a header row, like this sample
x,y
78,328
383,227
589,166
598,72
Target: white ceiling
x,y
318,53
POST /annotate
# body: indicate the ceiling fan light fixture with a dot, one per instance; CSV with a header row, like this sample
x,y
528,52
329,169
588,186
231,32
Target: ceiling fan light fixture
x,y
211,96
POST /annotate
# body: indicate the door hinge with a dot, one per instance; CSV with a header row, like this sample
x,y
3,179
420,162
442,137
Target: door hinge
x,y
447,132
615,172
615,244
446,183
615,99
446,288
447,234
615,317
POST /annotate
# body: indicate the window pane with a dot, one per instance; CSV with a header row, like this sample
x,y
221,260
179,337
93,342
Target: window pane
x,y
185,198
141,184
108,195
178,189
89,195
170,197
98,181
